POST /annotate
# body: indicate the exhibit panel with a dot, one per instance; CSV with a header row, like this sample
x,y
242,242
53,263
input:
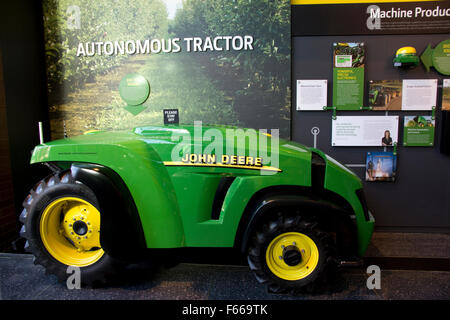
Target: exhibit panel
x,y
233,71
414,94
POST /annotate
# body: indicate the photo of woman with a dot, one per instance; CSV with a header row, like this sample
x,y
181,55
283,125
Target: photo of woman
x,y
387,140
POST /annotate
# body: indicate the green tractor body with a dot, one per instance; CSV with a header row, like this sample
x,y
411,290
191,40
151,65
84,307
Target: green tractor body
x,y
213,186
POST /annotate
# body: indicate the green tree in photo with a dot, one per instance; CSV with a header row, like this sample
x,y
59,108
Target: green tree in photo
x,y
246,88
98,21
260,79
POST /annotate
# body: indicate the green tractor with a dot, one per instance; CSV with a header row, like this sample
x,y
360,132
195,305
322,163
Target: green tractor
x,y
114,197
376,96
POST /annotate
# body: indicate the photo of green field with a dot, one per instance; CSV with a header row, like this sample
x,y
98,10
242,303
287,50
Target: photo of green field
x,y
245,88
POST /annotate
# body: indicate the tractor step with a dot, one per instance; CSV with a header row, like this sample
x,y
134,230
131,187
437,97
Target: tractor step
x,y
358,262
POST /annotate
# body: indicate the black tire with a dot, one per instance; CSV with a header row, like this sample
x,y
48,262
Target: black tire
x,y
280,225
54,187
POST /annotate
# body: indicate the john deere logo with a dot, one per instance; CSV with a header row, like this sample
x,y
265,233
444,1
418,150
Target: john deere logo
x,y
225,159
228,161
228,148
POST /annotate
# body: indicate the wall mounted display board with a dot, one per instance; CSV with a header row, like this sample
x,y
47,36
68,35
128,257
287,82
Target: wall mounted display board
x,y
381,166
364,131
348,75
406,95
419,94
439,57
383,27
311,95
219,71
418,131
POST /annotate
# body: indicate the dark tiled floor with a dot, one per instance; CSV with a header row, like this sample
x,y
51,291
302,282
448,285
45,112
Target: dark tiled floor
x,y
21,279
411,245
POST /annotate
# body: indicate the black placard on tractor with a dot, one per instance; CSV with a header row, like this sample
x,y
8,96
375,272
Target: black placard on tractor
x,y
171,116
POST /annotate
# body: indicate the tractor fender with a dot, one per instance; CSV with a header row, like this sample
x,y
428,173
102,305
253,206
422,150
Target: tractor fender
x,y
121,234
261,209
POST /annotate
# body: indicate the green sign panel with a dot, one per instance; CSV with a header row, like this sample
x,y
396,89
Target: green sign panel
x,y
348,88
348,76
418,131
439,57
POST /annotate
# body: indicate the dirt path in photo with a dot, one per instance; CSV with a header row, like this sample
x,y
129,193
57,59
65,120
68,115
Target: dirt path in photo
x,y
176,81
79,107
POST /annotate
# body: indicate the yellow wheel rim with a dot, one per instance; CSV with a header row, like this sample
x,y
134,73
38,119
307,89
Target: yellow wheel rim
x,y
292,256
70,231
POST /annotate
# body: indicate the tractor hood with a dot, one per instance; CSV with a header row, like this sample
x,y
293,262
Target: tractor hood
x,y
174,143
222,150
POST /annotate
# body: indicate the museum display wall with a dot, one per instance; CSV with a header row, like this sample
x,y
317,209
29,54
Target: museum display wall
x,y
416,198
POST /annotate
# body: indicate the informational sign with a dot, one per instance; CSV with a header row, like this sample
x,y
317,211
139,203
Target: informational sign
x,y
418,131
365,131
171,116
311,95
348,75
419,94
439,57
381,166
411,94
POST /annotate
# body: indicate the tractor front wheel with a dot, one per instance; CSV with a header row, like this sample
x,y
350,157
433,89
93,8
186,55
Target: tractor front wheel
x,y
61,225
291,254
